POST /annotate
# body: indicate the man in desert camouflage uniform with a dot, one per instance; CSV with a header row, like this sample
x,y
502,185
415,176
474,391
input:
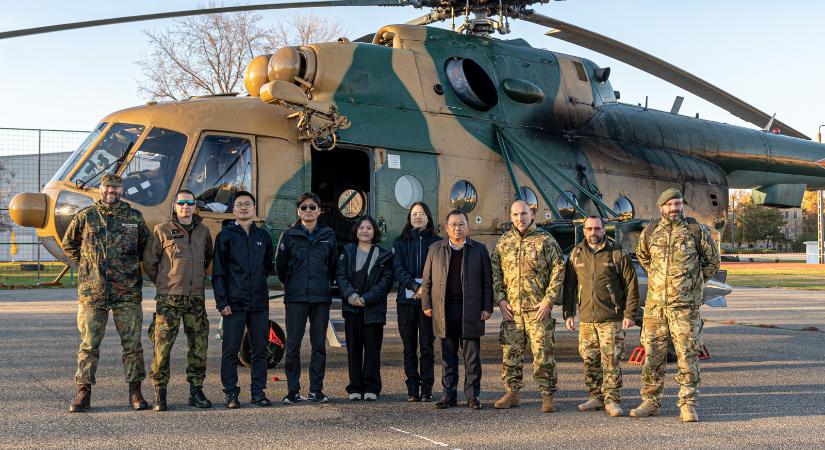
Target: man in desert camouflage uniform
x,y
176,261
678,255
106,241
601,280
528,273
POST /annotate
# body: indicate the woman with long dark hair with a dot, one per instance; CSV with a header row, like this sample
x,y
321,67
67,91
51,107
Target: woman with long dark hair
x,y
415,328
365,274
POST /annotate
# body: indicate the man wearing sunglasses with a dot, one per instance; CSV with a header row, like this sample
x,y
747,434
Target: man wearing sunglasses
x,y
306,263
242,262
176,261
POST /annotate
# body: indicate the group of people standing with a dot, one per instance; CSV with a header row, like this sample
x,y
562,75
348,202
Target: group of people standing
x,y
447,288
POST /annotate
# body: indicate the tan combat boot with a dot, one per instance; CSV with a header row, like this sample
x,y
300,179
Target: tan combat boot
x,y
613,409
508,400
688,413
548,403
592,404
83,400
644,410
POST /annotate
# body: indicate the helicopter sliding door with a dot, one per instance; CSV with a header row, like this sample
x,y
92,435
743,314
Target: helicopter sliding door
x,y
343,178
224,163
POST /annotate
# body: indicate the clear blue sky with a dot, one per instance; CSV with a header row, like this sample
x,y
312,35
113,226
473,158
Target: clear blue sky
x,y
771,54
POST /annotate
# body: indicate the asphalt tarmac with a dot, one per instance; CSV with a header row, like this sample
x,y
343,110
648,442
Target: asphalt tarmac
x,y
764,386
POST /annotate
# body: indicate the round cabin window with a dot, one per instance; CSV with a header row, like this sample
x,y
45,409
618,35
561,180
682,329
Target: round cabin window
x,y
352,203
408,190
565,208
463,196
529,196
623,205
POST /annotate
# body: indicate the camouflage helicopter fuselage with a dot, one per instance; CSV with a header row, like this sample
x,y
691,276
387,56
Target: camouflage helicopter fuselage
x,y
409,118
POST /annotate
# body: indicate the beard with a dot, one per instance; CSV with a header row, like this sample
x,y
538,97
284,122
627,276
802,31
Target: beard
x,y
111,199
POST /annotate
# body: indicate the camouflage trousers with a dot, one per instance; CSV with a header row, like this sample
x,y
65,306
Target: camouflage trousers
x,y
170,311
91,322
514,336
682,326
601,346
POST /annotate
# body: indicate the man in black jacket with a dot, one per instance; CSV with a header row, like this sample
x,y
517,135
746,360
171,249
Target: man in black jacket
x,y
242,261
306,263
457,293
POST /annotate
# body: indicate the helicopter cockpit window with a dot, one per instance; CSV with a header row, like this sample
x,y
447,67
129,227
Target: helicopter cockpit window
x,y
463,196
622,205
152,169
580,71
222,168
565,208
114,146
70,163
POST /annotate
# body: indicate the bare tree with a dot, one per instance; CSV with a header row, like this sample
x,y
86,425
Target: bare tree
x,y
6,179
208,54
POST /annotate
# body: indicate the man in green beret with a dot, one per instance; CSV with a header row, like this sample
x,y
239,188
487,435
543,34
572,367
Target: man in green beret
x,y
106,242
678,255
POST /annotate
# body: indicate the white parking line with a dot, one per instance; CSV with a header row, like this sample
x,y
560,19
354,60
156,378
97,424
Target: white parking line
x,y
440,444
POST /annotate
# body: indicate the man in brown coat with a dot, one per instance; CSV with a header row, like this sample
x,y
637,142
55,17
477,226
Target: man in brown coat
x,y
176,261
457,293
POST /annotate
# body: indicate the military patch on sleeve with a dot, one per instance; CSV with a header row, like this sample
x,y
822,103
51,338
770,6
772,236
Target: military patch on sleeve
x,y
130,225
341,257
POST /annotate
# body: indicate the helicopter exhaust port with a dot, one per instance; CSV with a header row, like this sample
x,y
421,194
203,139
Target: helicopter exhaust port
x,y
295,65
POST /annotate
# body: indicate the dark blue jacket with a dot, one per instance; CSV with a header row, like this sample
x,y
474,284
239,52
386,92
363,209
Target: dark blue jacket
x,y
379,283
240,266
410,255
305,266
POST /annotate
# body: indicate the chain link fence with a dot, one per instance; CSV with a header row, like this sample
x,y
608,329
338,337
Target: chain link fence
x,y
28,159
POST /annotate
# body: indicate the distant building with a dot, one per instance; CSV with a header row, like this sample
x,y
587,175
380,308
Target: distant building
x,y
27,177
793,223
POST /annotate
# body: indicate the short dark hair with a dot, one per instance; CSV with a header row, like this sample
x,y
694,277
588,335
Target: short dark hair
x,y
353,234
457,212
243,194
405,233
184,191
308,196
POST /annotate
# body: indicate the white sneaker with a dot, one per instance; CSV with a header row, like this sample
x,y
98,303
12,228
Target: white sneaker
x,y
370,397
354,397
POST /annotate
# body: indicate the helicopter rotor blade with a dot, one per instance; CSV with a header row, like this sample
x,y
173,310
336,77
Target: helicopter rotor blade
x,y
198,12
657,67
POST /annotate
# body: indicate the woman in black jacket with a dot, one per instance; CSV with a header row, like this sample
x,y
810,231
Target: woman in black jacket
x,y
365,277
415,328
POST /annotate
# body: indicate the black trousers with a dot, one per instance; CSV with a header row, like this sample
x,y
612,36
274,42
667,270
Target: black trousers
x,y
449,356
416,331
296,322
233,325
363,354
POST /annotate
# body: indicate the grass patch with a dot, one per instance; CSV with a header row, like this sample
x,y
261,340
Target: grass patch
x,y
789,276
12,275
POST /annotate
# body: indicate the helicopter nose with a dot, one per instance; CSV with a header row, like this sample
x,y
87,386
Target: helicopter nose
x,y
28,209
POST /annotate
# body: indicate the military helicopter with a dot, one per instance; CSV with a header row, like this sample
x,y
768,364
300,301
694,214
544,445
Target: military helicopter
x,y
456,118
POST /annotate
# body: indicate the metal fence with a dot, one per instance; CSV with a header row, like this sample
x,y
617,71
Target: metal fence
x,y
28,159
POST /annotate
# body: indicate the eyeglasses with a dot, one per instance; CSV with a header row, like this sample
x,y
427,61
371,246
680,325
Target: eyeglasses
x,y
185,202
456,226
308,207
244,205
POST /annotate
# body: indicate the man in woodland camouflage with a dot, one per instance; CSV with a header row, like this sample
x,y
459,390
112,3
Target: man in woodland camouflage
x,y
176,261
678,255
106,241
528,273
600,281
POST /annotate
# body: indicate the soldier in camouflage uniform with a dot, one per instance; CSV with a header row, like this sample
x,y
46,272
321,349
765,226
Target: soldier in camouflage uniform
x,y
601,280
106,241
528,273
176,261
678,255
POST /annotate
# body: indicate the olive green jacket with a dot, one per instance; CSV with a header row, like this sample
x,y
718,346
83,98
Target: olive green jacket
x,y
177,260
602,285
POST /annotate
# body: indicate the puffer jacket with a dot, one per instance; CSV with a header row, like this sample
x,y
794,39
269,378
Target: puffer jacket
x,y
379,283
306,267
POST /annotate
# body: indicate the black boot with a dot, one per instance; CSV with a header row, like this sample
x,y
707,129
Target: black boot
x,y
136,399
426,393
160,400
83,400
412,394
196,398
